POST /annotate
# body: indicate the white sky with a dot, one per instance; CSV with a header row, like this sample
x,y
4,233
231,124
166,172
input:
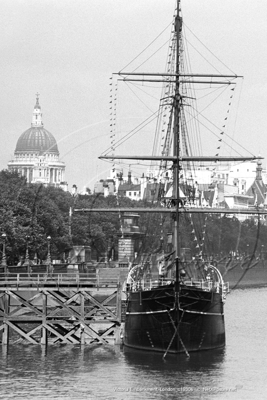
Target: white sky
x,y
67,50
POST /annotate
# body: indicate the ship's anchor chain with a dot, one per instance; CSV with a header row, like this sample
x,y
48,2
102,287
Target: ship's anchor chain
x,y
175,332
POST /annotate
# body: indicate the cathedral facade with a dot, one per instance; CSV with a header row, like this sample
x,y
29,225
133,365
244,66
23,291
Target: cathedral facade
x,y
36,154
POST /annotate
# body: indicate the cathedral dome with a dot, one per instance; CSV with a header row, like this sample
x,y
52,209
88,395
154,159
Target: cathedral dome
x,y
37,156
38,140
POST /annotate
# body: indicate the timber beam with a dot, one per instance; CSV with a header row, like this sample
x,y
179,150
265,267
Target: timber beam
x,y
53,315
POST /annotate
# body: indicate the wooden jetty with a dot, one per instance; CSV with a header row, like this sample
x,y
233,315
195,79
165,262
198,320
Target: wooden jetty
x,y
73,308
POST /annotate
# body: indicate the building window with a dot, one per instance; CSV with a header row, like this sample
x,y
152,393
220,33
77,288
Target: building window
x,y
134,193
130,193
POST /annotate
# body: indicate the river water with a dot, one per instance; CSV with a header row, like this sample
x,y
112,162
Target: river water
x,y
74,372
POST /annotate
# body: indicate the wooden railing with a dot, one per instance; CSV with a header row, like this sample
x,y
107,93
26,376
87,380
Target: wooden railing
x,y
21,280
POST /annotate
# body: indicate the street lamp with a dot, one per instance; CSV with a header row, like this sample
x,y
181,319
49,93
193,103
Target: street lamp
x,y
48,250
3,263
48,260
27,259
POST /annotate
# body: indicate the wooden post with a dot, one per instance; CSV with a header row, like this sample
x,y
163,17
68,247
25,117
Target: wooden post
x,y
43,352
82,334
118,305
5,337
4,352
118,313
44,330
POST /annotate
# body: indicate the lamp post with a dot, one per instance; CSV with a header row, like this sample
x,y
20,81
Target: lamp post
x,y
27,259
48,260
3,263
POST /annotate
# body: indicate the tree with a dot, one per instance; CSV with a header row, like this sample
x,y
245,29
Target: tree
x,y
30,213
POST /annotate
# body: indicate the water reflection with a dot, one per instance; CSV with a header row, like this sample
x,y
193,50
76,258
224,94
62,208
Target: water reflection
x,y
176,376
67,372
101,372
198,361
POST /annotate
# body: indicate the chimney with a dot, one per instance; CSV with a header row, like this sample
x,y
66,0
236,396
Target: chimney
x,y
129,178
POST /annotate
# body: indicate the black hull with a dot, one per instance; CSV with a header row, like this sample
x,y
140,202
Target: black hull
x,y
153,322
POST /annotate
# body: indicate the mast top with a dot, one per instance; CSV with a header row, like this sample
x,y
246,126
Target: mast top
x,y
178,19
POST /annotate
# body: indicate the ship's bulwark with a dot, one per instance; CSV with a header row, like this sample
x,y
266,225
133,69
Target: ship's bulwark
x,y
153,323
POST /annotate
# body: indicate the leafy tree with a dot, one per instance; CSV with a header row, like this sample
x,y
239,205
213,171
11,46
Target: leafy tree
x,y
30,213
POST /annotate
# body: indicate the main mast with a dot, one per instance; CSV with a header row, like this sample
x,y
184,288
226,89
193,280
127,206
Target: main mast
x,y
176,141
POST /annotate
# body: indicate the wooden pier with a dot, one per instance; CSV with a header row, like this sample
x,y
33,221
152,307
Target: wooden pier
x,y
73,308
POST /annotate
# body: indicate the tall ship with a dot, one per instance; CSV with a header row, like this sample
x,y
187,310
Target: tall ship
x,y
175,295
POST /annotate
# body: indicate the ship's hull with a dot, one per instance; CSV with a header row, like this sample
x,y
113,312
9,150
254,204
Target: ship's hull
x,y
154,323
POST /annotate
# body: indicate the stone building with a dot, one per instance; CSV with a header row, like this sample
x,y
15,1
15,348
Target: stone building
x,y
36,154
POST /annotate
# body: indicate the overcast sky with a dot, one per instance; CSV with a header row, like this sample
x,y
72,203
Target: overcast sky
x,y
67,50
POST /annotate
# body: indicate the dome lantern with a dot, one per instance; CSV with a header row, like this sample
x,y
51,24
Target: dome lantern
x,y
37,115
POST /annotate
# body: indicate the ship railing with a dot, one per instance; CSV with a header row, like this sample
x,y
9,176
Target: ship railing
x,y
225,290
209,285
152,284
203,284
147,284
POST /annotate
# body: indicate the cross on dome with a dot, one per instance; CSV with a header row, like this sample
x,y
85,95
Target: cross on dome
x,y
37,105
